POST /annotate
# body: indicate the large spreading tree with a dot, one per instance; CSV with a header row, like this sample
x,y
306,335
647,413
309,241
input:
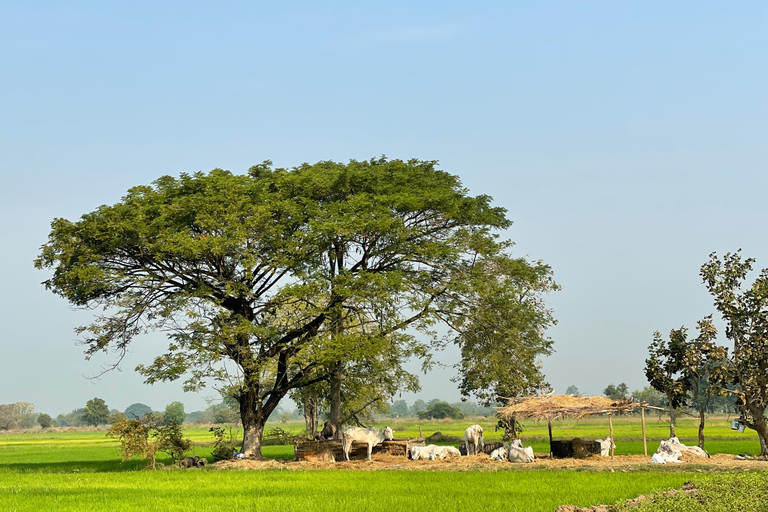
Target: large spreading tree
x,y
281,279
744,309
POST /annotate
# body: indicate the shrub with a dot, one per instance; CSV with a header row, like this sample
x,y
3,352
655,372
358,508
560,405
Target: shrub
x,y
223,449
45,421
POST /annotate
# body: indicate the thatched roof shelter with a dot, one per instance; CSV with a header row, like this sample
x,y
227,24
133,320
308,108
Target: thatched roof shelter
x,y
557,406
551,407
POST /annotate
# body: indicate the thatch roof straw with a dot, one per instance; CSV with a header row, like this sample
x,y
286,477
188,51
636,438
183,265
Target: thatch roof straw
x,y
557,406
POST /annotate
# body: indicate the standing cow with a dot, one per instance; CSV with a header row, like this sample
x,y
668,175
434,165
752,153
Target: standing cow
x,y
473,438
369,436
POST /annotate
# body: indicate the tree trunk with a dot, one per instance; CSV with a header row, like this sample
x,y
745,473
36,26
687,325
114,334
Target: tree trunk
x,y
762,431
671,418
310,416
335,419
254,417
701,428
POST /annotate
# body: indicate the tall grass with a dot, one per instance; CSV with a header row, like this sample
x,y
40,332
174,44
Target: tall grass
x,y
319,491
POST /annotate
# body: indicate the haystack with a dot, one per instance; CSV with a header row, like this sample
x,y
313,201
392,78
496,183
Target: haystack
x,y
551,407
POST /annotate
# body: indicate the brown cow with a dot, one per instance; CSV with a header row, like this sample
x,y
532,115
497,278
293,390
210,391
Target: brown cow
x,y
324,455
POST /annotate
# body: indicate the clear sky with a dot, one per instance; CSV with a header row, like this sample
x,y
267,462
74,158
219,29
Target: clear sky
x,y
628,140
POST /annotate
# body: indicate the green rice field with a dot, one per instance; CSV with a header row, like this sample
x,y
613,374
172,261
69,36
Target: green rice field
x,y
82,471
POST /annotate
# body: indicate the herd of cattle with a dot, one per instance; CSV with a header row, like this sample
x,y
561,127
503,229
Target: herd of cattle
x,y
669,450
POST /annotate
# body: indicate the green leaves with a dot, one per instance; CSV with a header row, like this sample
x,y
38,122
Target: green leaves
x,y
273,278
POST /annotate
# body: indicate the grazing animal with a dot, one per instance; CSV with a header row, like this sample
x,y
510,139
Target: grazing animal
x,y
324,455
192,462
370,436
516,454
473,438
605,446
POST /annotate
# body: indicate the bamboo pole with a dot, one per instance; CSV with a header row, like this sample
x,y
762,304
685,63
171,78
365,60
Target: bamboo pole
x,y
610,426
645,443
549,427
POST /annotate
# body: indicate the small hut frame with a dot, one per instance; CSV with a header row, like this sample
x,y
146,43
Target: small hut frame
x,y
551,407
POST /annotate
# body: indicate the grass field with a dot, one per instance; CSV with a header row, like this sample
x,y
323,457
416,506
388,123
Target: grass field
x,y
82,471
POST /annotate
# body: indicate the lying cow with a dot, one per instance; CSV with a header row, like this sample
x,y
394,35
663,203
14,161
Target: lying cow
x,y
473,438
370,436
324,455
518,454
606,445
500,454
433,452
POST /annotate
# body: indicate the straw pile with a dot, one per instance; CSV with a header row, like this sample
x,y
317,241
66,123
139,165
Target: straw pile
x,y
557,406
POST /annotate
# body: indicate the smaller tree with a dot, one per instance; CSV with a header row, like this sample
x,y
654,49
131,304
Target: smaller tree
x,y
398,409
652,397
9,416
45,420
134,438
137,411
115,417
96,412
26,414
665,370
620,392
572,390
705,368
170,439
439,410
418,406
174,413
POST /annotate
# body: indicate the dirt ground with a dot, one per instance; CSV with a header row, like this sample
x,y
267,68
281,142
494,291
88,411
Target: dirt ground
x,y
484,463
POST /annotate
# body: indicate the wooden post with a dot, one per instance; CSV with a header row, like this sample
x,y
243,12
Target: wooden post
x,y
421,434
549,427
645,443
610,426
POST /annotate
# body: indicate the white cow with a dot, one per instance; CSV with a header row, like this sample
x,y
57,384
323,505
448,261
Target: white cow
x,y
473,439
430,452
370,436
499,453
433,452
516,454
450,451
605,446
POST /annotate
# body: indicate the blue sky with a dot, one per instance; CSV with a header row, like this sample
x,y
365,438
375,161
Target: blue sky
x,y
628,140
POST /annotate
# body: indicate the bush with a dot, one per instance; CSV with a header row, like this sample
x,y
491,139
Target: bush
x,y
223,449
45,421
144,437
171,441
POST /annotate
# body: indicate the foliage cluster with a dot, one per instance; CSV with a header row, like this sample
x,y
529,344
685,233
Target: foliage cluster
x,y
145,437
318,275
224,443
439,410
17,415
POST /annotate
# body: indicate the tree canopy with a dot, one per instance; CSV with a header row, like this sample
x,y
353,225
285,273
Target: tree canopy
x,y
174,413
280,279
137,411
96,412
744,308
